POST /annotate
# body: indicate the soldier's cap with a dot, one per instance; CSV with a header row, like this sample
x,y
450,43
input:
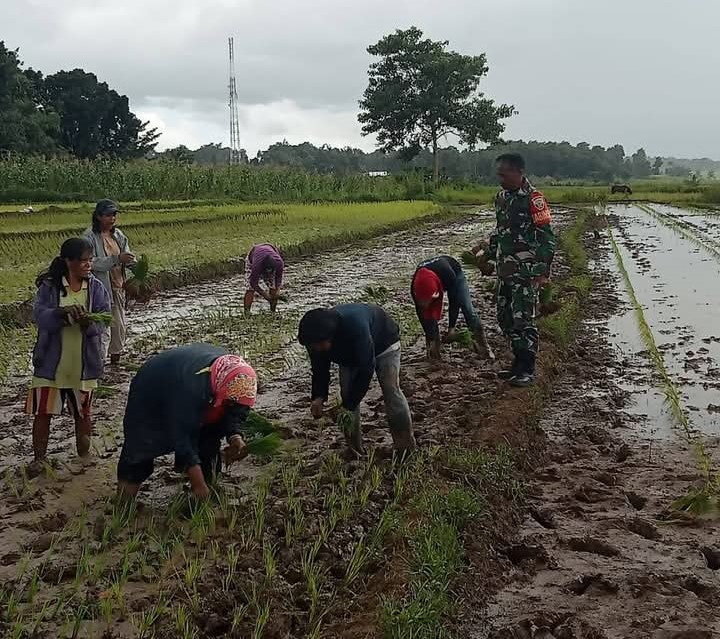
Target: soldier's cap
x,y
106,207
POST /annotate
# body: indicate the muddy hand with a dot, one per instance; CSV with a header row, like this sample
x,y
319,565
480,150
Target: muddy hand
x,y
481,346
235,451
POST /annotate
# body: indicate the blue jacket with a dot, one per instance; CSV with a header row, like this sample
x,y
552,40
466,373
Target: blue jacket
x,y
50,321
364,331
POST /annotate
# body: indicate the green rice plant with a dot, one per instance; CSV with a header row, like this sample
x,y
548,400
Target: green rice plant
x,y
233,556
270,563
145,621
462,336
202,521
259,511
238,617
106,319
331,465
263,616
358,560
266,446
256,424
184,625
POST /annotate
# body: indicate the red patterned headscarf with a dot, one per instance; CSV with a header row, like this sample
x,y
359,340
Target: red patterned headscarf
x,y
232,378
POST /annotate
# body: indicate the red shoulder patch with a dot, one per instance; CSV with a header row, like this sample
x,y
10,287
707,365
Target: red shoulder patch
x,y
539,209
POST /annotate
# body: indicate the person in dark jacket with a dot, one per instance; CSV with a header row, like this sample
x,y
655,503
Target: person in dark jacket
x,y
432,279
185,401
67,357
364,340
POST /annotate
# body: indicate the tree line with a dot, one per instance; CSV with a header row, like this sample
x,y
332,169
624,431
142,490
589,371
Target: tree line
x,y
67,112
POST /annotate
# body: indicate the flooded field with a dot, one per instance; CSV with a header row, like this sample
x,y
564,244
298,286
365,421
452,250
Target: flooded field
x,y
676,283
570,483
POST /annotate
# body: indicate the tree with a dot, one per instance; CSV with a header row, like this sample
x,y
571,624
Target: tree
x,y
657,165
639,164
419,92
94,119
180,154
25,125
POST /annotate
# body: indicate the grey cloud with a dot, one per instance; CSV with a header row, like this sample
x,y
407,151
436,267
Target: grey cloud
x,y
640,73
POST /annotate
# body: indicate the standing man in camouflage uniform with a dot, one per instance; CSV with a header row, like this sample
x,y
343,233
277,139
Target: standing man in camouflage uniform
x,y
522,247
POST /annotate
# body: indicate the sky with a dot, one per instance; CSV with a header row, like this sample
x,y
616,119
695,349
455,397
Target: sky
x,y
634,72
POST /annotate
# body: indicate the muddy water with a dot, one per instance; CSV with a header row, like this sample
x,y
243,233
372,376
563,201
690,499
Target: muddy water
x,y
326,278
314,281
706,225
676,282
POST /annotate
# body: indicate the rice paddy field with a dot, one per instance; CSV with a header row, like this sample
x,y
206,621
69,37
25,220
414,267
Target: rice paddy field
x,y
535,512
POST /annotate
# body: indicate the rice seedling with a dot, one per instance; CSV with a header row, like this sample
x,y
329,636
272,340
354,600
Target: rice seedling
x,y
145,621
138,285
263,616
270,563
266,446
259,511
233,556
106,319
238,616
358,560
184,625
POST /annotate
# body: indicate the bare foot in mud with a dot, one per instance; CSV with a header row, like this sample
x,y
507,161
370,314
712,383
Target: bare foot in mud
x,y
35,468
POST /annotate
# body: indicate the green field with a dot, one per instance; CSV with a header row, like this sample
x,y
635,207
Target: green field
x,y
204,239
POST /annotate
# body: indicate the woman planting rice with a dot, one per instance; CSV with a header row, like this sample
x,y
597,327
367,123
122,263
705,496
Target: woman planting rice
x,y
185,401
263,262
112,256
68,353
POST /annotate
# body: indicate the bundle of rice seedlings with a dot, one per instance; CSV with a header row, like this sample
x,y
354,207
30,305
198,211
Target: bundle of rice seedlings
x,y
138,286
257,425
266,446
104,318
468,258
463,336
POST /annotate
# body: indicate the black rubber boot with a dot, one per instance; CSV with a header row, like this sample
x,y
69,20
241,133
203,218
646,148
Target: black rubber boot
x,y
526,370
509,373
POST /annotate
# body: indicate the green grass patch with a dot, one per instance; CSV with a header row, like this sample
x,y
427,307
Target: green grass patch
x,y
571,292
450,491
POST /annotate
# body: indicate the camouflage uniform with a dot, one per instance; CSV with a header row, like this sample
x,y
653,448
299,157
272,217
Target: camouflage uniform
x,y
523,246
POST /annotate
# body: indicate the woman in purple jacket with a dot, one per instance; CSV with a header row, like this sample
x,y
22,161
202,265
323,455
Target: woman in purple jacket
x,y
67,357
265,263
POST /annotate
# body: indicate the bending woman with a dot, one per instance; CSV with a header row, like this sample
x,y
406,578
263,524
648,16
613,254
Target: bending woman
x,y
185,401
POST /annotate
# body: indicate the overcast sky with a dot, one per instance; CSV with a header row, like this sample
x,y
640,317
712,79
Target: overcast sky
x,y
637,72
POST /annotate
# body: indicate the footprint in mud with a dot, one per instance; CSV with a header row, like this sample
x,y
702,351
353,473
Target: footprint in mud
x,y
543,516
592,493
643,528
529,556
712,557
592,545
593,585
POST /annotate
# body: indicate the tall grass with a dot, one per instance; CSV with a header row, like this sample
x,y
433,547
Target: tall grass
x,y
24,179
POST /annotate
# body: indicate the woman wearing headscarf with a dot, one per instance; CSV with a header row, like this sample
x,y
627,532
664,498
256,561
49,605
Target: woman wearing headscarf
x,y
112,257
186,400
